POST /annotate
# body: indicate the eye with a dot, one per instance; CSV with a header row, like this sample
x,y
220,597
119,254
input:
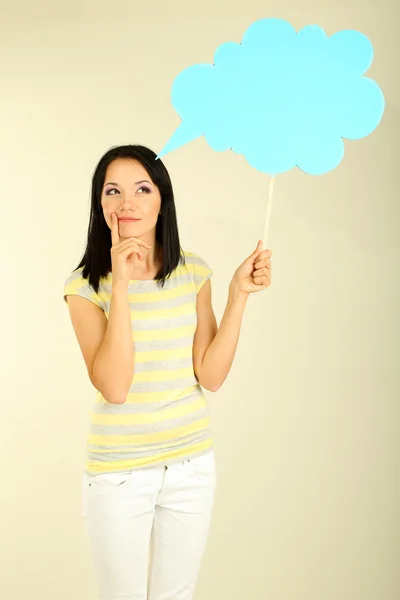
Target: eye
x,y
145,188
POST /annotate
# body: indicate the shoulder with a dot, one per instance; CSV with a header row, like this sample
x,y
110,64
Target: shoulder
x,y
194,260
77,285
75,276
75,280
199,268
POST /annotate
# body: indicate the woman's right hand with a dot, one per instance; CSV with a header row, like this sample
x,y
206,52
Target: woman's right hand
x,y
123,253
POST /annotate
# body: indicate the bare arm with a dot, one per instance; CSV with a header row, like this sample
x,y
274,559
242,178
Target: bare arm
x,y
113,366
219,355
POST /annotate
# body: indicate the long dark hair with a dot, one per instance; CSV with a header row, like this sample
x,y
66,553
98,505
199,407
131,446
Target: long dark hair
x,y
97,257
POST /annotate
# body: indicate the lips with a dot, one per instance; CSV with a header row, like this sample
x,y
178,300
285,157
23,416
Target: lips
x,y
129,220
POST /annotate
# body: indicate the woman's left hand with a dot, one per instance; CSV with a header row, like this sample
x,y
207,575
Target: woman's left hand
x,y
254,274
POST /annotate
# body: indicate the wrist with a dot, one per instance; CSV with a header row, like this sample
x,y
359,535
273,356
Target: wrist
x,y
236,294
119,288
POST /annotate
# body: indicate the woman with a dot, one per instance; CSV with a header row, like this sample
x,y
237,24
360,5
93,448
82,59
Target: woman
x,y
150,342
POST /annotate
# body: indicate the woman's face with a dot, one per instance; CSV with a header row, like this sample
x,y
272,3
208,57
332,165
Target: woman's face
x,y
130,193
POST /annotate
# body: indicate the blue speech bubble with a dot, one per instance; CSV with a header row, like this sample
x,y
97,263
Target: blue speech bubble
x,y
282,99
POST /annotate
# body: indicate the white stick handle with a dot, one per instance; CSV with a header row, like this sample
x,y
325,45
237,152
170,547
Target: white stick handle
x,y
269,208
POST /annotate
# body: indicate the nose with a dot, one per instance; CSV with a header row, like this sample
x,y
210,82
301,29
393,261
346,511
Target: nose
x,y
127,203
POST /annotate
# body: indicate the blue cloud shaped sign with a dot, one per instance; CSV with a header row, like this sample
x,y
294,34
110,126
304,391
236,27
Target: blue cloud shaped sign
x,y
282,99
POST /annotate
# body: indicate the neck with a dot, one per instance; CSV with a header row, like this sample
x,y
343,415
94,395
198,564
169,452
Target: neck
x,y
150,263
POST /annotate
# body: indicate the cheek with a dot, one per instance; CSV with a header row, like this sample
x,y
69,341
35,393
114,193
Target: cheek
x,y
107,214
108,208
149,209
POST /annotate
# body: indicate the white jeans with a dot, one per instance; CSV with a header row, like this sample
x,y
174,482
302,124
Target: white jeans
x,y
165,510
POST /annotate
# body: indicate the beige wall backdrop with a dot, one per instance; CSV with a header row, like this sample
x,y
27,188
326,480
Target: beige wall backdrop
x,y
307,424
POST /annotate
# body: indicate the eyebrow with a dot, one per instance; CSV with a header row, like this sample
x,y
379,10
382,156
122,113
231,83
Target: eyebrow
x,y
136,182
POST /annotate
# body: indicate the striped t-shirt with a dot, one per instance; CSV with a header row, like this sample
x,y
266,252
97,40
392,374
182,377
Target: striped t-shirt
x,y
165,417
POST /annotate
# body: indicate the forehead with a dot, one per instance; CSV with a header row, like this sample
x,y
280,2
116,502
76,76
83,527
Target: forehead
x,y
125,171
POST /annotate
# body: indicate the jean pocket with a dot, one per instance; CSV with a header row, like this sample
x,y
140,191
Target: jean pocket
x,y
107,481
203,465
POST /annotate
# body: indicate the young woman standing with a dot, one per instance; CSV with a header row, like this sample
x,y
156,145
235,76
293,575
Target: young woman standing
x,y
141,310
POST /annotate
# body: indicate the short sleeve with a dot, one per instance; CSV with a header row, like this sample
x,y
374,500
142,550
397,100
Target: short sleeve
x,y
76,285
202,272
